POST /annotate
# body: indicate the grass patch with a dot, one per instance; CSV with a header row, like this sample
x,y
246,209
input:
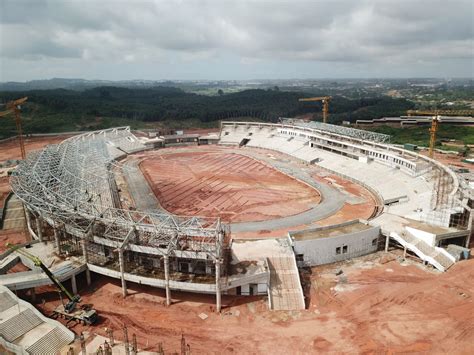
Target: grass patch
x,y
421,136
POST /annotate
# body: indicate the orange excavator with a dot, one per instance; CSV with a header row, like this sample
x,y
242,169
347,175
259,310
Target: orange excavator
x,y
325,100
15,108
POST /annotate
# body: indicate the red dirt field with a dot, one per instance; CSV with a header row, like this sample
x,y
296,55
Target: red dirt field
x,y
13,237
376,306
11,149
364,209
235,187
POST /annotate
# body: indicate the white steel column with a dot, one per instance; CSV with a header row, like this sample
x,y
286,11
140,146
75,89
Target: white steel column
x,y
218,286
39,228
122,272
167,280
56,239
86,260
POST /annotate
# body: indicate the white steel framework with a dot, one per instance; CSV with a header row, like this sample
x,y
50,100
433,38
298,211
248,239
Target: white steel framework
x,y
71,184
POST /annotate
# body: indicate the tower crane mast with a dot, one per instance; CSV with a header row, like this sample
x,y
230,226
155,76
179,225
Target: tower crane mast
x,y
324,99
435,122
15,108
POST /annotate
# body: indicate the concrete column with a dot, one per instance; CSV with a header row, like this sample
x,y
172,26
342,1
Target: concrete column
x,y
218,286
56,239
86,260
122,273
167,280
39,228
33,295
27,216
74,284
404,253
468,240
386,243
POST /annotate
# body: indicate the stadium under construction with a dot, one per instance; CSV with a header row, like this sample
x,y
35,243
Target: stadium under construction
x,y
237,213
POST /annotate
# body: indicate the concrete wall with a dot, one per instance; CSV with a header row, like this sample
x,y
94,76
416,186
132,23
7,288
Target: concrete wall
x,y
323,250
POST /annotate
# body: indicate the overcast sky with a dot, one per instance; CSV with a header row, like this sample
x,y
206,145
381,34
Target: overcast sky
x,y
226,39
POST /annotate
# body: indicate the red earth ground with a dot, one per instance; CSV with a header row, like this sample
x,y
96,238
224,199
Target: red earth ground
x,y
234,187
378,305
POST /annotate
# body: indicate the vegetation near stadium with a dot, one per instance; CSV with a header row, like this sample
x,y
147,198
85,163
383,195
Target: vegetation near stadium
x,y
420,135
68,110
62,110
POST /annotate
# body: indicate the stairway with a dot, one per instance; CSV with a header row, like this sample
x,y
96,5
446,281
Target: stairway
x,y
437,257
285,287
14,214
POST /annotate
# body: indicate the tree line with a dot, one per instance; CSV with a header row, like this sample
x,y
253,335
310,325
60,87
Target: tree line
x,y
100,107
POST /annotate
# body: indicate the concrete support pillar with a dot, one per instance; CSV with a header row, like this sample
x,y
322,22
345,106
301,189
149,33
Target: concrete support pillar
x,y
86,260
33,295
167,280
27,216
218,286
57,244
39,228
122,273
387,238
468,240
404,253
74,284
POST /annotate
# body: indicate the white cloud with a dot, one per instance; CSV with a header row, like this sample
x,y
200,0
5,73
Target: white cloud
x,y
150,32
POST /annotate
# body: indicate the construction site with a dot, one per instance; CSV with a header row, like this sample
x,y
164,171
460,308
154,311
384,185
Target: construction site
x,y
260,237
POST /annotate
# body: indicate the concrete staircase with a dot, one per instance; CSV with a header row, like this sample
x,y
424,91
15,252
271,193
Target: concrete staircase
x,y
14,214
437,257
24,330
19,324
285,290
48,344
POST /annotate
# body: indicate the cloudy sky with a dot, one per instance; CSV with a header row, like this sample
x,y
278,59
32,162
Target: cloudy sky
x,y
226,39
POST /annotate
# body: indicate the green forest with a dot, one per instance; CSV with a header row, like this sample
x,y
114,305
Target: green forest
x,y
61,110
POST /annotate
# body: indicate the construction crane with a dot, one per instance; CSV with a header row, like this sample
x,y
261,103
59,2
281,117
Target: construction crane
x,y
325,100
435,121
15,107
441,113
69,311
433,129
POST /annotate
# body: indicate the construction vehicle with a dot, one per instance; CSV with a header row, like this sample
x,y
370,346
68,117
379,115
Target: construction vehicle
x,y
70,311
325,100
15,107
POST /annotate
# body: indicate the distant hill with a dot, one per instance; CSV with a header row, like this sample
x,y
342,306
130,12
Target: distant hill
x,y
78,84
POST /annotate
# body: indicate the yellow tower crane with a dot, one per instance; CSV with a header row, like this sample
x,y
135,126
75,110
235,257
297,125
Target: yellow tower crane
x,y
435,121
15,107
433,129
325,100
